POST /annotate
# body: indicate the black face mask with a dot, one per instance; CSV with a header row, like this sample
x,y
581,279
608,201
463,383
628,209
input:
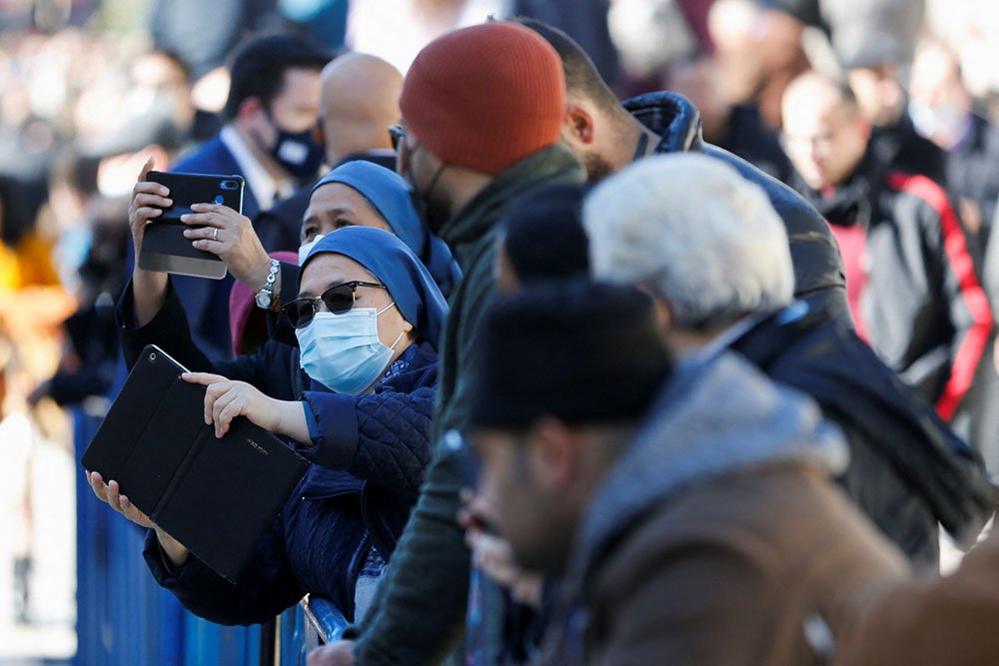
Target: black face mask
x,y
298,153
435,213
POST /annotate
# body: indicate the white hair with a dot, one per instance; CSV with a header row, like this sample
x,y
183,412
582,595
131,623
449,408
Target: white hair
x,y
692,229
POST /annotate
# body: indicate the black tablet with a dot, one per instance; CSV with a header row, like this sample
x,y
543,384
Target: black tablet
x,y
215,496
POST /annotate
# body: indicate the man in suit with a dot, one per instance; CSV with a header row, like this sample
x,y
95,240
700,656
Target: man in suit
x,y
359,100
268,140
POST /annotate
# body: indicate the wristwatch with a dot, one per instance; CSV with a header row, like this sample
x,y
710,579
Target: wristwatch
x,y
265,297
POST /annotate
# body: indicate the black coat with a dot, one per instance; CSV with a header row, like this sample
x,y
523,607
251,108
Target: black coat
x,y
818,269
902,148
371,451
923,307
973,169
908,470
751,139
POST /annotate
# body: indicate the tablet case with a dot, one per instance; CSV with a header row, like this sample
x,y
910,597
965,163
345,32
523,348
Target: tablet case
x,y
164,247
215,496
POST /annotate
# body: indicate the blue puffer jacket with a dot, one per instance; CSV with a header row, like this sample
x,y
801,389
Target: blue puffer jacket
x,y
371,451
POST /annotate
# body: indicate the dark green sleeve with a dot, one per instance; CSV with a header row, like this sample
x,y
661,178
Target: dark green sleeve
x,y
419,613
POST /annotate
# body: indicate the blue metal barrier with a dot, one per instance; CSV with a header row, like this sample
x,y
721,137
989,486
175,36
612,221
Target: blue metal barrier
x,y
125,618
325,618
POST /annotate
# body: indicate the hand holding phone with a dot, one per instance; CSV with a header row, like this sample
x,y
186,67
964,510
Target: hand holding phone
x,y
149,199
162,244
230,236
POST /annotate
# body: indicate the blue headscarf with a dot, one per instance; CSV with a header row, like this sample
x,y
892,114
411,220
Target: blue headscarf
x,y
389,194
408,281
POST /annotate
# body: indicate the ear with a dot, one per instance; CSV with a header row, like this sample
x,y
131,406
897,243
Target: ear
x,y
553,454
580,124
664,318
318,134
249,108
890,91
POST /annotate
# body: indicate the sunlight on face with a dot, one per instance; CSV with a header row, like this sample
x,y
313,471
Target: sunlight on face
x,y
335,206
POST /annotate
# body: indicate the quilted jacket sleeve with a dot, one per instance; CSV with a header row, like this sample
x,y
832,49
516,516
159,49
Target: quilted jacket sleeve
x,y
381,437
266,588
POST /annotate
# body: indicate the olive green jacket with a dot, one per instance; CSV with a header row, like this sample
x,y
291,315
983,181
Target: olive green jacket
x,y
418,616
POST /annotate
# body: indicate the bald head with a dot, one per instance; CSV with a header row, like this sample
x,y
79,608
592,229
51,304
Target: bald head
x,y
360,99
825,133
818,92
935,71
940,102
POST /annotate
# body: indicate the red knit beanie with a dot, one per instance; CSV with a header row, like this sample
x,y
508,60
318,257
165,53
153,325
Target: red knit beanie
x,y
485,97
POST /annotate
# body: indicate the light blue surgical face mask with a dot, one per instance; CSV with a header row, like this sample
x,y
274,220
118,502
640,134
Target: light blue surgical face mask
x,y
303,251
945,122
343,351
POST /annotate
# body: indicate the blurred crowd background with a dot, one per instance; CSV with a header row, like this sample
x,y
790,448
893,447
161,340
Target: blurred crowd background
x,y
90,88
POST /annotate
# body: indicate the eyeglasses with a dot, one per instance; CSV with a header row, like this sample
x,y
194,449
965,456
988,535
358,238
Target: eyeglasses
x,y
397,134
338,299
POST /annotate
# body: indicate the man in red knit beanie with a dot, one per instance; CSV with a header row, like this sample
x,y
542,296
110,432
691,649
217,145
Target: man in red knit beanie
x,y
474,102
482,112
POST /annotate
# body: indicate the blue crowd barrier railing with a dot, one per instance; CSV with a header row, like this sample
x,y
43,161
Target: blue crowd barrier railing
x,y
123,617
325,618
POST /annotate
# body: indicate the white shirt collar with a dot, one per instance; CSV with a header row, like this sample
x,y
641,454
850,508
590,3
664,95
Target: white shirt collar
x,y
264,187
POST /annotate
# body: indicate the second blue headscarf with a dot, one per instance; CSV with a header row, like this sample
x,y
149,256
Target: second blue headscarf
x,y
389,194
394,265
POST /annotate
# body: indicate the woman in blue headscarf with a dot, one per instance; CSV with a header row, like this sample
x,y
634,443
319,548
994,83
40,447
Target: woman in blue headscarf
x,y
368,317
350,193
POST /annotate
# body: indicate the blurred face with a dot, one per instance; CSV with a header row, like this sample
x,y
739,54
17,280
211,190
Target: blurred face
x,y
423,171
824,138
413,162
293,110
328,270
336,206
936,79
879,94
526,486
698,82
939,101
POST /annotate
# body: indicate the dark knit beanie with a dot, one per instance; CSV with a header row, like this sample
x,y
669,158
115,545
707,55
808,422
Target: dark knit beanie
x,y
485,97
582,352
543,234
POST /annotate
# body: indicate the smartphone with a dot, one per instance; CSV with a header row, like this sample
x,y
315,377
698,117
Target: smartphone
x,y
164,247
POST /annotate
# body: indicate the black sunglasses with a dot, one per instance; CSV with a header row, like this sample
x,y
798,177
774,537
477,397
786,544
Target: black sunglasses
x,y
338,299
397,133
